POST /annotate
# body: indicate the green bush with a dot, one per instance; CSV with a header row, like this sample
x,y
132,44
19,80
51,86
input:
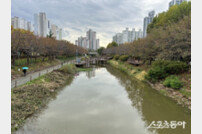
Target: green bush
x,y
83,58
116,57
69,68
173,82
123,57
171,67
162,68
173,15
155,74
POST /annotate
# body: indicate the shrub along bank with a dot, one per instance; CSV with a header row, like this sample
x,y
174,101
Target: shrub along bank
x,y
173,82
163,68
167,47
31,97
168,77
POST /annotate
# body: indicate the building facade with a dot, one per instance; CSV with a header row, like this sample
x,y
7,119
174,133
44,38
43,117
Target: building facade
x,y
60,34
43,26
48,27
88,42
36,24
42,31
147,21
127,36
91,36
97,44
175,2
15,22
29,26
54,30
20,23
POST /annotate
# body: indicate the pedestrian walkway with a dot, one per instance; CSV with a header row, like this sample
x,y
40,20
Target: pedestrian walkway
x,y
22,80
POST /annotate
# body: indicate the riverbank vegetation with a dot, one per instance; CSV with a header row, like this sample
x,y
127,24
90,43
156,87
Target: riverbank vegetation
x,y
136,72
176,87
36,65
38,52
25,44
29,98
171,41
161,69
164,55
16,71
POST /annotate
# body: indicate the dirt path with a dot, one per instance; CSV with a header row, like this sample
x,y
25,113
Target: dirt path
x,y
22,80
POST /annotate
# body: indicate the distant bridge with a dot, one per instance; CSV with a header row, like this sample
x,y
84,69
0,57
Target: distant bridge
x,y
93,53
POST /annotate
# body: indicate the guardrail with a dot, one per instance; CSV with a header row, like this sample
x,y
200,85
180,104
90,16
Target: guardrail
x,y
29,77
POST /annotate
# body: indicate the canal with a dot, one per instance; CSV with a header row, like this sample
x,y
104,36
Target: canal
x,y
107,101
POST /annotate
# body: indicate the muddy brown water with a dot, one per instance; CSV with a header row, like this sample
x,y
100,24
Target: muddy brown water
x,y
107,101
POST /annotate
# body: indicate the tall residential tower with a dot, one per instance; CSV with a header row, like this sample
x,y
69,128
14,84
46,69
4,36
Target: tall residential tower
x,y
42,31
175,2
88,42
127,36
43,26
147,21
20,23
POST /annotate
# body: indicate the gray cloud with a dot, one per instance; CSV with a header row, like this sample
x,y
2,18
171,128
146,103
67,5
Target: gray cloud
x,y
106,17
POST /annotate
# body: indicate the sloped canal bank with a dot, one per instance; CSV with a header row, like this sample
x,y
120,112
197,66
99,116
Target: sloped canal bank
x,y
107,101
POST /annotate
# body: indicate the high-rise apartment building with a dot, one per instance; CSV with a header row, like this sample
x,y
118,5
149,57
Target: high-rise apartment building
x,y
20,23
91,36
119,38
54,30
147,21
36,24
43,26
29,26
139,34
82,42
88,42
127,36
175,2
145,24
132,35
42,31
48,27
97,44
76,42
60,34
15,22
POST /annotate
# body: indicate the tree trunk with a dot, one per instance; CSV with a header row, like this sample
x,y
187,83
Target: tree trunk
x,y
49,57
13,60
27,60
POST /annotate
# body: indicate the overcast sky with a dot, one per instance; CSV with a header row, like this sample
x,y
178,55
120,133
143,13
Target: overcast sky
x,y
75,17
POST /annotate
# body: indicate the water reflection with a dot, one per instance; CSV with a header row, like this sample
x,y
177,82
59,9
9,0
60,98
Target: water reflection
x,y
110,103
91,73
152,105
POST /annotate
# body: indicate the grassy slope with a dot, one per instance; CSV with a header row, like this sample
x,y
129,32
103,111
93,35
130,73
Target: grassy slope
x,y
136,72
29,98
32,96
182,96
